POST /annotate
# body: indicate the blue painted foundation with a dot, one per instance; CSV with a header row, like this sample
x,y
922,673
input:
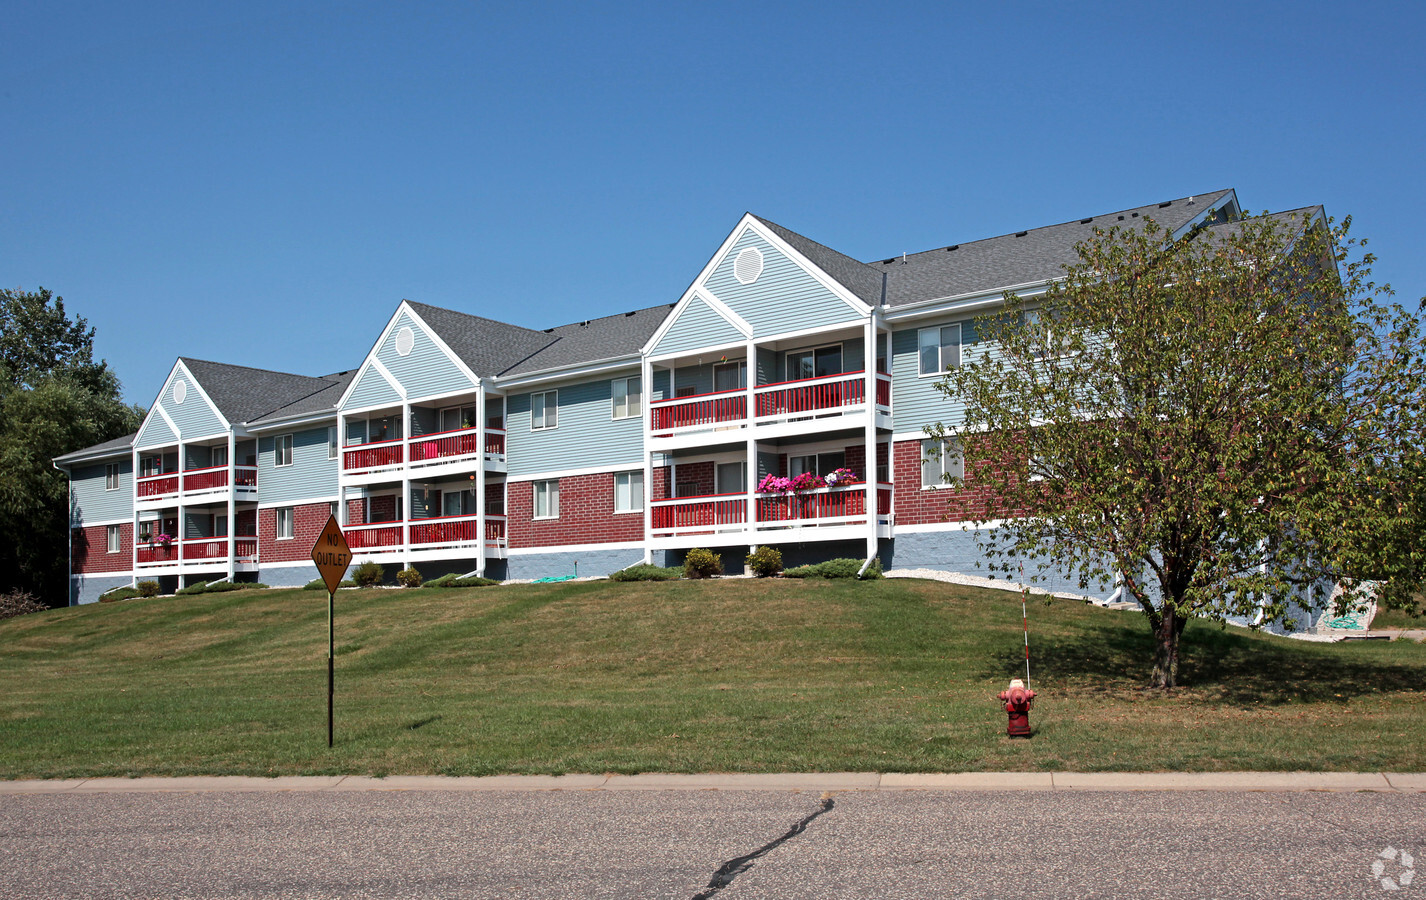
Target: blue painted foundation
x,y
554,565
87,588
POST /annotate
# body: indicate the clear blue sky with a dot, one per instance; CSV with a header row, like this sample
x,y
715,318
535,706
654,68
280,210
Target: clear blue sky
x,y
262,183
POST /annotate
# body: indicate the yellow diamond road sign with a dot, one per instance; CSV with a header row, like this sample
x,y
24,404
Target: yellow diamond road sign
x,y
331,554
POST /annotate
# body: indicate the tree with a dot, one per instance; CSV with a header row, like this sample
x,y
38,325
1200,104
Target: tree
x,y
1222,422
54,399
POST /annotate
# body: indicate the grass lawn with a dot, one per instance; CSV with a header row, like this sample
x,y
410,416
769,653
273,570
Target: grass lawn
x,y
741,675
1402,618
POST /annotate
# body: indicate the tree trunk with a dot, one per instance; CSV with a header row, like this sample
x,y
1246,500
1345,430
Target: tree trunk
x,y
1166,648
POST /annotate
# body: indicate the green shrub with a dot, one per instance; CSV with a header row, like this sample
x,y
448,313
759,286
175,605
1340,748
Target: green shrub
x,y
766,561
318,584
409,577
452,580
19,603
223,587
836,568
119,593
147,588
194,588
642,572
700,563
368,574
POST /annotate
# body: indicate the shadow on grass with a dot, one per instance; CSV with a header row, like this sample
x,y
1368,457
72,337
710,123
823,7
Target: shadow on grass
x,y
1229,666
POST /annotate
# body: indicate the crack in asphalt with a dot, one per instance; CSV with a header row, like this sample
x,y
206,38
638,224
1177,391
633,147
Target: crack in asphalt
x,y
737,866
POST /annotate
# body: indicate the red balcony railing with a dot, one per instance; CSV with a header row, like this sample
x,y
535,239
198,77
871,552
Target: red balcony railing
x,y
374,536
701,409
373,456
807,395
823,503
158,554
217,548
446,445
699,515
205,479
883,499
157,486
883,390
495,442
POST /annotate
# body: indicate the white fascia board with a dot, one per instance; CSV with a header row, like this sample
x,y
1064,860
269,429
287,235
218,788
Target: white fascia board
x,y
607,468
724,310
371,355
810,332
270,425
827,281
445,348
79,457
154,407
701,351
949,526
963,302
575,548
703,274
204,394
392,380
566,373
178,435
305,501
103,523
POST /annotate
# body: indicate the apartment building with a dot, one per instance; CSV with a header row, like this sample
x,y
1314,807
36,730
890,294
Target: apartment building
x,y
465,444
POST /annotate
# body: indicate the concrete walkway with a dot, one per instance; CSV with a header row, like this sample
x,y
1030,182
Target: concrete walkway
x,y
1407,783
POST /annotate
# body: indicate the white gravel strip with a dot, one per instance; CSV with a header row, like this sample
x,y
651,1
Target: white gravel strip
x,y
998,584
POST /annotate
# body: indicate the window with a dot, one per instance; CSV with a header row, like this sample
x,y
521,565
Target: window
x,y
111,477
731,478
333,506
627,396
332,445
282,450
1049,344
940,348
628,492
220,456
150,465
284,523
814,363
687,489
939,460
547,499
820,464
458,417
457,503
544,410
113,535
731,376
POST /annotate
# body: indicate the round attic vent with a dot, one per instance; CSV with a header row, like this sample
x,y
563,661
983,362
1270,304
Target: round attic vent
x,y
748,266
405,340
180,391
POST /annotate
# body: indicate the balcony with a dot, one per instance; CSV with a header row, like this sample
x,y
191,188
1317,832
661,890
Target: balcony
x,y
198,485
726,514
787,401
200,552
463,445
437,533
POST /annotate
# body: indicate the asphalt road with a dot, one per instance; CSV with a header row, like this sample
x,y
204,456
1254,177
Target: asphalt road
x,y
724,844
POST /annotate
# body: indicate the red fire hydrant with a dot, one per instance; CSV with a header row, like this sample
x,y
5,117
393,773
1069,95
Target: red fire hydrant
x,y
1018,699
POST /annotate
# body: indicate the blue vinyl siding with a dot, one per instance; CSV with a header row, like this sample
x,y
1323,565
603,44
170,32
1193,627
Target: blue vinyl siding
x,y
784,298
155,432
90,502
310,476
586,435
699,325
915,402
661,389
768,370
194,417
426,370
700,378
372,390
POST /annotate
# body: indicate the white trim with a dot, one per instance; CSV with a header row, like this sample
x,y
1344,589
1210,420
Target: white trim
x,y
440,344
533,426
701,351
127,520
290,421
962,302
392,380
371,357
724,310
173,426
560,373
817,273
534,517
643,491
966,525
960,348
573,473
819,330
198,386
642,399
274,504
285,564
574,548
291,451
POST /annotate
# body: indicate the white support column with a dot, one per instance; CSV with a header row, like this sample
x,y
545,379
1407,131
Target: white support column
x,y
405,505
232,502
646,383
342,516
751,474
182,510
482,427
869,476
134,506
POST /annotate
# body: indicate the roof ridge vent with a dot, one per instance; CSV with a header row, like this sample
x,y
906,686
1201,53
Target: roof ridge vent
x,y
628,314
1165,203
1086,221
953,247
1021,233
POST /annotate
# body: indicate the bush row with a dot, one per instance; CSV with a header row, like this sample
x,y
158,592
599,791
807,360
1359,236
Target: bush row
x,y
835,568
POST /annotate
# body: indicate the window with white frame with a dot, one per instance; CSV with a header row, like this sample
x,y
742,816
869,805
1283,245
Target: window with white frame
x,y
111,477
940,460
547,499
627,397
285,529
220,456
282,450
332,445
113,536
544,410
731,477
939,348
628,492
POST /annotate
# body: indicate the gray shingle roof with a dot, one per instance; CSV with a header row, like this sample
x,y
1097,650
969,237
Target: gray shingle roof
x,y
322,401
245,394
1028,256
119,445
861,279
597,339
487,346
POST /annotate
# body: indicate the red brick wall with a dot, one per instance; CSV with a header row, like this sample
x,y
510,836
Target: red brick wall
x,y
917,506
247,523
661,489
586,514
307,523
383,509
356,511
697,473
91,545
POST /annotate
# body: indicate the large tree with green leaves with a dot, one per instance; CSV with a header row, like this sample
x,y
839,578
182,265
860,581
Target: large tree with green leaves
x,y
1228,422
54,399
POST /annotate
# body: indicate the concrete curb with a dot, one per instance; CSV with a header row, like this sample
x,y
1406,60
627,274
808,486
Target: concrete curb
x,y
1403,783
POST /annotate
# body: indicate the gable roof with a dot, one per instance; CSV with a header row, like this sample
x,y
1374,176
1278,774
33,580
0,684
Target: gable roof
x,y
593,340
1029,256
119,445
487,346
858,277
322,401
243,394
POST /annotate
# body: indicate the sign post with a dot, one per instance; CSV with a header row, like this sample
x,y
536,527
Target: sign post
x,y
332,556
